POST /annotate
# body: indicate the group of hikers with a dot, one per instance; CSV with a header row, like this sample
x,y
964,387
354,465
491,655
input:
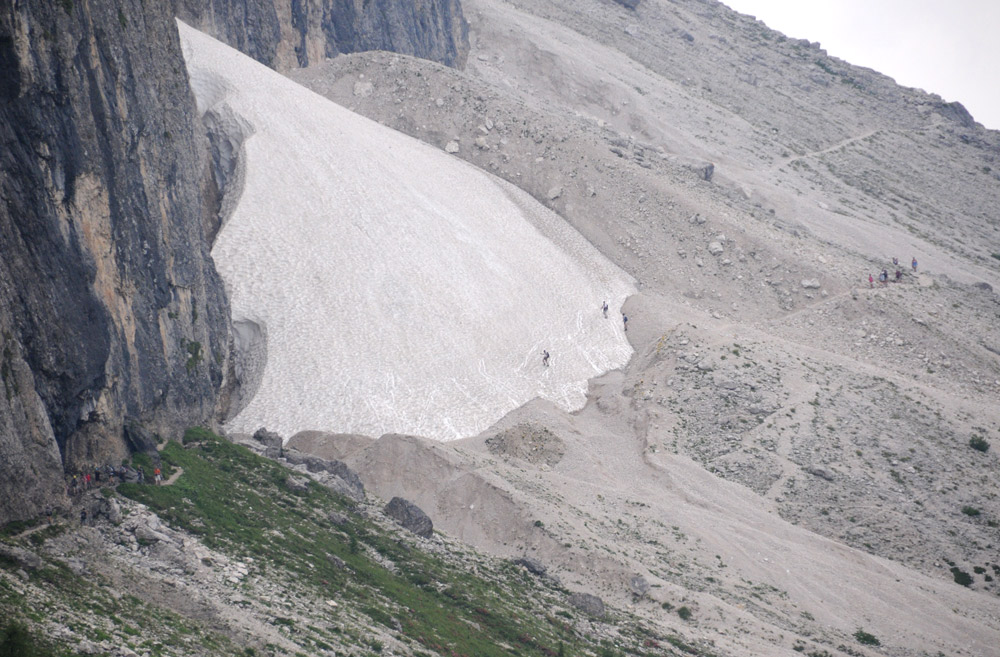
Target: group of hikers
x,y
883,276
79,482
604,309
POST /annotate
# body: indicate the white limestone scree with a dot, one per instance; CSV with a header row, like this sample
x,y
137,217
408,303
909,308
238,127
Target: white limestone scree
x,y
392,286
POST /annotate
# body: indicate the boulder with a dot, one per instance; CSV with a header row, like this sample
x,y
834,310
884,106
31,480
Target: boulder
x,y
147,535
297,484
587,603
451,147
810,284
343,480
268,438
638,585
409,516
822,473
715,248
534,567
337,518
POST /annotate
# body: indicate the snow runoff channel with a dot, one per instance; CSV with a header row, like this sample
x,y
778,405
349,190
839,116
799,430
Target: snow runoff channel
x,y
381,285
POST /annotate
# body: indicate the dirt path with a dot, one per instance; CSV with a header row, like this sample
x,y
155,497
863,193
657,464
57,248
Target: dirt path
x,y
177,473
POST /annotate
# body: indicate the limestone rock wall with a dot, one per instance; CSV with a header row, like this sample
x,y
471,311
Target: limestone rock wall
x,y
287,33
111,311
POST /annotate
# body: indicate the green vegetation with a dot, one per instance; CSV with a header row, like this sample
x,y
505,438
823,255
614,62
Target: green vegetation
x,y
961,577
194,355
240,504
17,641
970,511
361,587
979,443
866,638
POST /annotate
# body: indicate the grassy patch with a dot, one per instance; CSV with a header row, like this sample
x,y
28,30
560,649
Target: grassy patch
x,y
239,503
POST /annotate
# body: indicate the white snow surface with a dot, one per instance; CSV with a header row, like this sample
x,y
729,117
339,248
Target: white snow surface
x,y
398,288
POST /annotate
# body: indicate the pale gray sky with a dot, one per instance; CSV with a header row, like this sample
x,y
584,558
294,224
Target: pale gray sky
x,y
949,48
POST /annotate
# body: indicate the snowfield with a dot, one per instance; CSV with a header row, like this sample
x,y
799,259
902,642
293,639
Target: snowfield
x,y
381,285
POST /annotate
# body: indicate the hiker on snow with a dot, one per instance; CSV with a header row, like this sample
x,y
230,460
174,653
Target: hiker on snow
x,y
545,358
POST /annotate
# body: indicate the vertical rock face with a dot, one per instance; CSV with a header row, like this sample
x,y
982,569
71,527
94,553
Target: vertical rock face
x,y
110,308
113,321
287,33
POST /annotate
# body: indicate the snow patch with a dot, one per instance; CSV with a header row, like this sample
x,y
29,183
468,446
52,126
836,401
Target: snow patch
x,y
380,285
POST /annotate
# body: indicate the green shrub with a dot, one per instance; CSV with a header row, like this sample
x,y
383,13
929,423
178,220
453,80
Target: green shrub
x,y
961,577
684,612
970,511
979,444
16,641
866,638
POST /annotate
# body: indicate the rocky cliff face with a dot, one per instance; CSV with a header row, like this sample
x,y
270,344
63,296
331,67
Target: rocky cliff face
x,y
113,321
287,33
111,313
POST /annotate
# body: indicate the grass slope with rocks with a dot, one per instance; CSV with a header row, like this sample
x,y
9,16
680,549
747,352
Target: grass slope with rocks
x,y
243,556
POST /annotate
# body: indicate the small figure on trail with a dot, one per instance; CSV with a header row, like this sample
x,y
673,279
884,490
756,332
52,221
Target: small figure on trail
x,y
83,517
545,358
895,262
914,264
899,275
86,480
625,321
883,278
871,281
157,475
140,474
605,309
48,514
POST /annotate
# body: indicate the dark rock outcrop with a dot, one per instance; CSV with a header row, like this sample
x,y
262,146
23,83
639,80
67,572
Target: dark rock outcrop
x,y
409,516
532,566
110,307
268,438
342,478
283,35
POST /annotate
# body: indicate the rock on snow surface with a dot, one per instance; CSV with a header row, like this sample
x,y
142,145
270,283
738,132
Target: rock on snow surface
x,y
399,289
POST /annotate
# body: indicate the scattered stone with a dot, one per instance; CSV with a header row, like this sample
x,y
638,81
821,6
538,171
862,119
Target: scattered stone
x,y
715,248
337,562
811,284
554,193
363,88
451,147
587,603
409,516
482,144
337,518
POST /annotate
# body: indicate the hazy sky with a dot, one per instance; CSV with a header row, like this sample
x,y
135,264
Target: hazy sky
x,y
951,48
